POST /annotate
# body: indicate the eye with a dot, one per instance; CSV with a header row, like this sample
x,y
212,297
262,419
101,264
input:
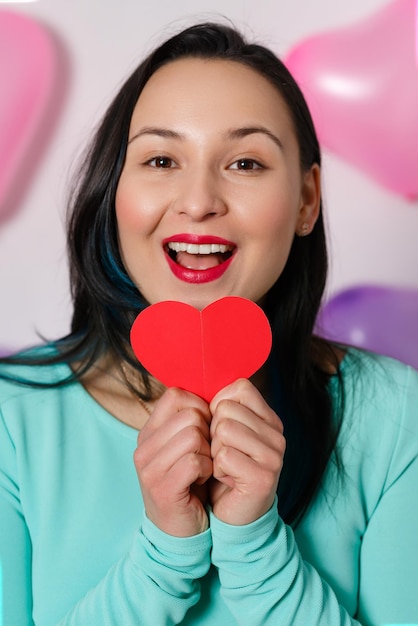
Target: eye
x,y
246,164
161,162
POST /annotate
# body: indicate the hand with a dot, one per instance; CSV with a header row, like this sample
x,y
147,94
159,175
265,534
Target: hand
x,y
173,463
247,447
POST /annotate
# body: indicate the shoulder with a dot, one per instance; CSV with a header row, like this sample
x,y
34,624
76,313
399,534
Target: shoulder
x,y
29,371
376,379
380,414
29,390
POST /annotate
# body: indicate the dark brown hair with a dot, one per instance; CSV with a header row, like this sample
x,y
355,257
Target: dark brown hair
x,y
106,301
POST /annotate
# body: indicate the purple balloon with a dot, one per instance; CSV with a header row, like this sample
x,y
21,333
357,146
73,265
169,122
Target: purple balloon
x,y
384,320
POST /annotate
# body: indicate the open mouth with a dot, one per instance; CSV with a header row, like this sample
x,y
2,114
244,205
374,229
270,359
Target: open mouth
x,y
197,258
200,257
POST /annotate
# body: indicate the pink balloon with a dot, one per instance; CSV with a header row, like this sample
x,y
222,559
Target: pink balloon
x,y
416,23
27,65
381,319
361,83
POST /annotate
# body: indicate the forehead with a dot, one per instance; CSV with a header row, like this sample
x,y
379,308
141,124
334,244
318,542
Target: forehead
x,y
210,90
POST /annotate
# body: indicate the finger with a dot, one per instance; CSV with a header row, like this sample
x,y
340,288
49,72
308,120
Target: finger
x,y
266,446
153,439
230,410
240,472
230,465
153,460
173,401
176,502
244,393
191,469
174,486
158,436
242,491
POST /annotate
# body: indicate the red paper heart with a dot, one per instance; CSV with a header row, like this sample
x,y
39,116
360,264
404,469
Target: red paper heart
x,y
202,351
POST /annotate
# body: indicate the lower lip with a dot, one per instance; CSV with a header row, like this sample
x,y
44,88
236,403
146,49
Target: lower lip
x,y
198,276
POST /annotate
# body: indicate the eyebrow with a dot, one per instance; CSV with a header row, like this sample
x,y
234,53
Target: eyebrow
x,y
155,130
238,133
235,133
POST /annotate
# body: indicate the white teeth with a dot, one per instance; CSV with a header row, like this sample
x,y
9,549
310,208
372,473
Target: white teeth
x,y
204,249
194,248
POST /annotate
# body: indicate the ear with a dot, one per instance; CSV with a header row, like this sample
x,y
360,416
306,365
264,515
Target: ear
x,y
310,201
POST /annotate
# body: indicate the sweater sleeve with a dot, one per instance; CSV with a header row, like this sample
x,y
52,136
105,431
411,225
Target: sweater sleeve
x,y
157,582
264,580
15,544
388,592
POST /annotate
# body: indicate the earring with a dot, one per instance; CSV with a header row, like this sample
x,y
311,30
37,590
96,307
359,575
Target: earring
x,y
303,230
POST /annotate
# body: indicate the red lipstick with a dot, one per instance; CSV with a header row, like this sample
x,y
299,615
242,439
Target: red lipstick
x,y
187,254
198,239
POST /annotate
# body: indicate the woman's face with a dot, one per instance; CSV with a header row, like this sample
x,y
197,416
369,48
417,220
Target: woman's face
x,y
211,192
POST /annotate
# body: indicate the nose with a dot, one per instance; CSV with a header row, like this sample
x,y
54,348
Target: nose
x,y
200,195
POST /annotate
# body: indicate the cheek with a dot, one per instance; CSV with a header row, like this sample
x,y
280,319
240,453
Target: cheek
x,y
130,223
275,221
273,231
129,229
135,212
276,206
127,206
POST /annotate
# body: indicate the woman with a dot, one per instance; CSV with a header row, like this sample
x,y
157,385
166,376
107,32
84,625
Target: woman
x,y
287,498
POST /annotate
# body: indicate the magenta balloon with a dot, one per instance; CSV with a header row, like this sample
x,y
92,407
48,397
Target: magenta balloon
x,y
27,66
4,351
384,320
361,83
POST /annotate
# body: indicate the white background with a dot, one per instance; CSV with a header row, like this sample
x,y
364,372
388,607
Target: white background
x,y
373,233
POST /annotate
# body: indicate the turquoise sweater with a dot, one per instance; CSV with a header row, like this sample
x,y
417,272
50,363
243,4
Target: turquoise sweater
x,y
76,548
